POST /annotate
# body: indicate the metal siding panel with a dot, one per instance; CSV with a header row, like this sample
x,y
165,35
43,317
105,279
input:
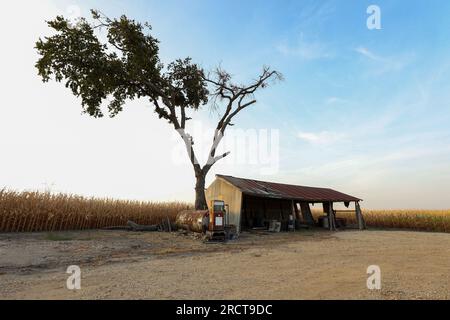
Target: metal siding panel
x,y
223,190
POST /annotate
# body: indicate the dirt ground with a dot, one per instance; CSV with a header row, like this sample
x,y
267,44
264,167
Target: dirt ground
x,y
312,264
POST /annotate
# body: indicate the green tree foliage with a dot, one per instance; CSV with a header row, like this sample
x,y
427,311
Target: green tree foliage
x,y
126,66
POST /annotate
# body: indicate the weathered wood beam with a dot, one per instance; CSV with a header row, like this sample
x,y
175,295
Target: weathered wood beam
x,y
331,217
306,213
295,212
359,217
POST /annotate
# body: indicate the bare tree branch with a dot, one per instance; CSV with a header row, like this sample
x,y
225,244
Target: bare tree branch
x,y
237,97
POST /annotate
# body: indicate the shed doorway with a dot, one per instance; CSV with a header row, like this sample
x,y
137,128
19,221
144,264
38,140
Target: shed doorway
x,y
257,212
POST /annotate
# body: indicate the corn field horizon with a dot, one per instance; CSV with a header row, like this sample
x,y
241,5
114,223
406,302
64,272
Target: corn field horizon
x,y
36,211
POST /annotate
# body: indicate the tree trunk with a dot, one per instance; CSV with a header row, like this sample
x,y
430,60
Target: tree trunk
x,y
200,199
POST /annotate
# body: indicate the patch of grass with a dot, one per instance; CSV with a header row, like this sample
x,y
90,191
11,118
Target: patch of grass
x,y
58,237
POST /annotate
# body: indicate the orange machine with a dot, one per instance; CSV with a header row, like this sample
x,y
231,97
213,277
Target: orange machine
x,y
217,217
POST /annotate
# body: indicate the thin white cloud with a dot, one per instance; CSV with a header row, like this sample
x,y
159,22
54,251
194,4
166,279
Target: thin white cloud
x,y
303,49
320,138
311,15
334,100
367,53
385,64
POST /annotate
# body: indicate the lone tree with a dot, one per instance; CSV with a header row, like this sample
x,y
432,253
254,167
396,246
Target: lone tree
x,y
126,66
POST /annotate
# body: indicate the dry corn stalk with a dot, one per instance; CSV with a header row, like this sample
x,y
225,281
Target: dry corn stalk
x,y
43,211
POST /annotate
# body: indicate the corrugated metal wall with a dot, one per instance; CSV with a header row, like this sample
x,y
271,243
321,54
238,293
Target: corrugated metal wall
x,y
223,190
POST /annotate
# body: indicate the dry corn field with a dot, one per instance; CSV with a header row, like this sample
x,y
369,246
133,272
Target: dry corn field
x,y
40,211
420,220
412,219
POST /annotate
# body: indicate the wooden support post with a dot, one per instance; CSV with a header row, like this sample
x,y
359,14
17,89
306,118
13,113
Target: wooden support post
x,y
292,223
359,216
331,218
306,213
295,211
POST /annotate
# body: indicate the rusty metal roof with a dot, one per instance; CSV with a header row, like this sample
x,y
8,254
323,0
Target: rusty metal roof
x,y
287,191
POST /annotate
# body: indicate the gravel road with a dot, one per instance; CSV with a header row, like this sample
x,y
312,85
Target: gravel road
x,y
302,265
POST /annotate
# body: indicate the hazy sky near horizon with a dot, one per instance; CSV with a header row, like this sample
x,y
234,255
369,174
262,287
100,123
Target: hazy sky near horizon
x,y
366,112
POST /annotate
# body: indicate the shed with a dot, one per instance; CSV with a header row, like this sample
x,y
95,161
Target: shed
x,y
252,203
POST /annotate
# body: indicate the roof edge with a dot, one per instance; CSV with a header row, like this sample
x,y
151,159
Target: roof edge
x,y
224,177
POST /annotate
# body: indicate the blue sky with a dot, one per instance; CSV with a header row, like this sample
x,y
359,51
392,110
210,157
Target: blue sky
x,y
363,111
